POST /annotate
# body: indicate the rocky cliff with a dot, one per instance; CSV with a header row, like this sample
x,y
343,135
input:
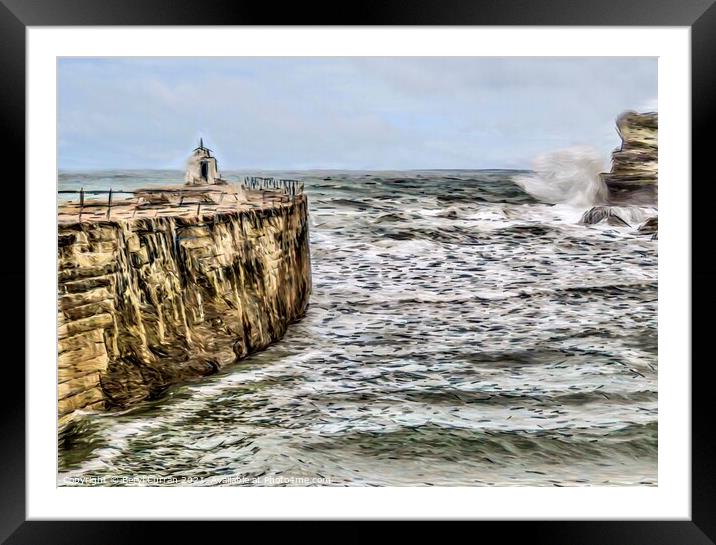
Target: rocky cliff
x,y
634,173
144,303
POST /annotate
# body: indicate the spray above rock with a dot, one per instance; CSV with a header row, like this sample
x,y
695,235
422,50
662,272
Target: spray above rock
x,y
569,176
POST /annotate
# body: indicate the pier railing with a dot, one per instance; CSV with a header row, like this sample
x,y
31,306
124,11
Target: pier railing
x,y
287,187
196,196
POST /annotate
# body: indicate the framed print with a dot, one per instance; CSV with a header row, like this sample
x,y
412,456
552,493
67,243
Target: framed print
x,y
424,264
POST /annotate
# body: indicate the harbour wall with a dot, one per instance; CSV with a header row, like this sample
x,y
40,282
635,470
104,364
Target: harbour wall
x,y
146,303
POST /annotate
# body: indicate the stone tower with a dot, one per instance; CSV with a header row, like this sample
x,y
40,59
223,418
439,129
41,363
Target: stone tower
x,y
202,168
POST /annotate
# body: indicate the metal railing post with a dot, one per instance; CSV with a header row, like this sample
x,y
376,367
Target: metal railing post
x,y
109,203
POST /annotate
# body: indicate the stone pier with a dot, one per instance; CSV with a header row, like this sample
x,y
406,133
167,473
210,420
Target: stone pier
x,y
147,299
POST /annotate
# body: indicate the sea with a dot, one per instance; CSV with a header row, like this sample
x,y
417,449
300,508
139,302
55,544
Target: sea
x,y
464,329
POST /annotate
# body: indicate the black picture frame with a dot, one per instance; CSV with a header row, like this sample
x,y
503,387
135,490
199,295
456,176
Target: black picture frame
x,y
699,15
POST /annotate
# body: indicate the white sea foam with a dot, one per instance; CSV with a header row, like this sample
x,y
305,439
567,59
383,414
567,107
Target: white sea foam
x,y
568,176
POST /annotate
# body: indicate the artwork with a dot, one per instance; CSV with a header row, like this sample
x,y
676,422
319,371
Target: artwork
x,y
357,271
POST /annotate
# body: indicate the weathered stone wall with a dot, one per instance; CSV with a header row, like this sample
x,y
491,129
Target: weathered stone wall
x,y
634,174
148,302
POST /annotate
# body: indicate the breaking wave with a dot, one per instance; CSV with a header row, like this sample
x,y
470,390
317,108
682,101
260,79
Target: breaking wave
x,y
569,176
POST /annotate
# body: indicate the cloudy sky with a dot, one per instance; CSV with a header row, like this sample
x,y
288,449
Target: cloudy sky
x,y
343,112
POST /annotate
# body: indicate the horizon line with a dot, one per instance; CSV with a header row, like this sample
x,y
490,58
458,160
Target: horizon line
x,y
264,169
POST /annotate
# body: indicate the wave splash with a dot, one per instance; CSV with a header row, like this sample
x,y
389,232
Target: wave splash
x,y
568,176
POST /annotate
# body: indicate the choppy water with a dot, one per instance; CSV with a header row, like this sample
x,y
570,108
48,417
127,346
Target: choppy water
x,y
460,332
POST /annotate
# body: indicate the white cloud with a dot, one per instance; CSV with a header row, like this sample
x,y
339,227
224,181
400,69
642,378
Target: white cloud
x,y
382,113
649,105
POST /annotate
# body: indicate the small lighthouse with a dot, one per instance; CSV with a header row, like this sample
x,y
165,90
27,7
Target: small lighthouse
x,y
202,168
